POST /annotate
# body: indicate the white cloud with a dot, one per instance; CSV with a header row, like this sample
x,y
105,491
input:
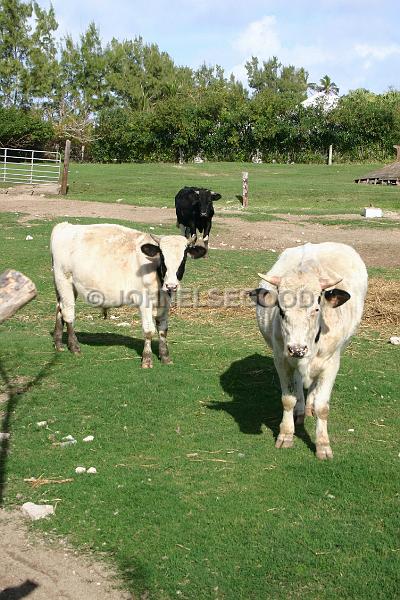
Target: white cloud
x,y
260,38
376,52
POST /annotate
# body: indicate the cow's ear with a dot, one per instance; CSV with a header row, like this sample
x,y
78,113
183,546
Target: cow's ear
x,y
336,297
150,250
215,196
263,297
197,251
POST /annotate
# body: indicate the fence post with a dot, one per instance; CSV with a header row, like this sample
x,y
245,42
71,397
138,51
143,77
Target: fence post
x,y
5,164
245,195
330,154
31,181
64,181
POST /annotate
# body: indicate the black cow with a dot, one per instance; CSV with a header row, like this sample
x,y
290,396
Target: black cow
x,y
194,211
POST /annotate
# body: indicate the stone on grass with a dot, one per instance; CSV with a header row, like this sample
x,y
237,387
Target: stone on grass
x,y
92,470
37,511
80,470
395,340
88,438
41,424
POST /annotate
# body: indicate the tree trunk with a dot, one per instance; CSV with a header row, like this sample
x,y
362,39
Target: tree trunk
x,y
16,290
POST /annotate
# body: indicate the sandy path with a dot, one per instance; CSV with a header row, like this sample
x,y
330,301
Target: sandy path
x,y
28,566
377,247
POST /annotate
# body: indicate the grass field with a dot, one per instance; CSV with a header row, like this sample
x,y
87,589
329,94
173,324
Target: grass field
x,y
303,189
191,499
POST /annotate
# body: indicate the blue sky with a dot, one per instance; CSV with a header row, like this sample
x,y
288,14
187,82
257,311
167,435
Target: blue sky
x,y
355,42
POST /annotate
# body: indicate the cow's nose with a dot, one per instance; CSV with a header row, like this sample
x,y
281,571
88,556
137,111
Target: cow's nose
x,y
297,351
171,287
203,214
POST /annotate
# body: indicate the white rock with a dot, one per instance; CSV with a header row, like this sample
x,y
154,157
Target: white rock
x,y
80,470
119,199
350,430
371,212
152,228
41,424
123,324
88,438
92,470
29,237
69,438
4,436
395,340
37,511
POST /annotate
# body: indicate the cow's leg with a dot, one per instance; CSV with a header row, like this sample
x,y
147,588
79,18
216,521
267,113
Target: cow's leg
x,y
286,428
58,329
162,328
146,312
206,235
321,395
183,230
299,409
66,295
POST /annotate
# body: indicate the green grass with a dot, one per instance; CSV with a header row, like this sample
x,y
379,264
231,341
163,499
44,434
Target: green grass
x,y
191,499
298,189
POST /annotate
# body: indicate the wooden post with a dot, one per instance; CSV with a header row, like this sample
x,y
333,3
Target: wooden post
x,y
397,148
64,181
330,154
16,290
245,195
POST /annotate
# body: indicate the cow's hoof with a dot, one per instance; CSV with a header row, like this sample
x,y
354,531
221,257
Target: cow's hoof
x,y
166,360
74,350
324,452
147,364
299,419
309,410
284,441
58,348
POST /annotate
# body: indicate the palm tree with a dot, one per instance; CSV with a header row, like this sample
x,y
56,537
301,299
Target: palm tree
x,y
325,85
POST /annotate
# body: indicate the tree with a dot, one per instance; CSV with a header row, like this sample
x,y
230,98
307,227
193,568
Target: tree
x,y
138,74
325,85
14,49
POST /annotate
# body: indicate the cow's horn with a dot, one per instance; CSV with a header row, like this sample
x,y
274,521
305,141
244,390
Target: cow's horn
x,y
273,279
156,238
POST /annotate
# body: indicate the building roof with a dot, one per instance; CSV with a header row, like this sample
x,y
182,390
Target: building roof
x,y
326,101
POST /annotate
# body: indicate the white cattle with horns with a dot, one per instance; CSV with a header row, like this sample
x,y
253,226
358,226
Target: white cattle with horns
x,y
309,305
110,265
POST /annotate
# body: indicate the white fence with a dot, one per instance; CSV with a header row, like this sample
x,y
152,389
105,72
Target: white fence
x,y
29,166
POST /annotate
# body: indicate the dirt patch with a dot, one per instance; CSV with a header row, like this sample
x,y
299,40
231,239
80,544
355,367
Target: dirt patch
x,y
376,248
31,566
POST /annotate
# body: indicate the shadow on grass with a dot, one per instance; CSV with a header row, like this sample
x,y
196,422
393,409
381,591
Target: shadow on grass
x,y
112,339
253,385
14,393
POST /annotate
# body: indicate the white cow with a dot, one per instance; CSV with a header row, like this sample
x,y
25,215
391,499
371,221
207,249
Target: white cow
x,y
111,265
308,307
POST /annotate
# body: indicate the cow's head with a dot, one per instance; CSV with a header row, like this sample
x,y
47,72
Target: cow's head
x,y
205,199
171,252
300,299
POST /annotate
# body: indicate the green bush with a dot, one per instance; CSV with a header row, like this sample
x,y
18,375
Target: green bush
x,y
24,129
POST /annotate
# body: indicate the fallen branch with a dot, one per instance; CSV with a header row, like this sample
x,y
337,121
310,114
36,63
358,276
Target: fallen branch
x,y
35,482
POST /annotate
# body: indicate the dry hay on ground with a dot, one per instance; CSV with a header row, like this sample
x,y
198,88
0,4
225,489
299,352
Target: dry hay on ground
x,y
381,312
382,306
